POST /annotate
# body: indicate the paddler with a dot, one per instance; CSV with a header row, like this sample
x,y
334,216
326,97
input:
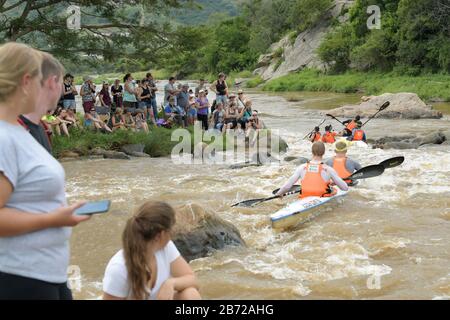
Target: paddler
x,y
315,177
343,165
350,125
315,135
330,135
358,134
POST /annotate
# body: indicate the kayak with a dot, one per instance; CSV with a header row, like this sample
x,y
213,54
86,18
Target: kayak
x,y
301,211
360,144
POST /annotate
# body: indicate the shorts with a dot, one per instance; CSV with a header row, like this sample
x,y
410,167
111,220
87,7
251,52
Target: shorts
x,y
192,112
222,99
87,106
69,104
14,287
129,106
102,110
142,105
219,126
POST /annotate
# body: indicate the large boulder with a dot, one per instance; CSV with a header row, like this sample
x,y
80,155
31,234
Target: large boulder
x,y
294,53
198,232
402,106
412,141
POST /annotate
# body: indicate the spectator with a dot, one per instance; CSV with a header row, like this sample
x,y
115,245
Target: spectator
x,y
146,101
129,120
49,95
105,99
219,117
141,122
153,88
117,94
69,93
245,114
183,98
242,99
231,116
117,120
201,86
254,122
192,111
34,216
52,122
93,121
220,88
88,94
174,113
129,94
170,90
203,109
149,267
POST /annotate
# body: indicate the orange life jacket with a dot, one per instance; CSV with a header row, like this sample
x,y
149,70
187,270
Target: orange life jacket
x,y
329,137
339,166
359,135
317,136
351,125
312,183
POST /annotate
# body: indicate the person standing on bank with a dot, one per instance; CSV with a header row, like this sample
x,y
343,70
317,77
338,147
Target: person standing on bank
x,y
220,87
34,220
69,93
87,93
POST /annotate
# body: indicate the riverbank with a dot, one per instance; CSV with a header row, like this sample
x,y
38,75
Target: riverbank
x,y
428,87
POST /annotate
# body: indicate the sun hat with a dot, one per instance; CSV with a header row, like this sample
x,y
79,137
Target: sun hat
x,y
342,145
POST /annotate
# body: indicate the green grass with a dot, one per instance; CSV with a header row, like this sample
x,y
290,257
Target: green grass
x,y
426,86
256,81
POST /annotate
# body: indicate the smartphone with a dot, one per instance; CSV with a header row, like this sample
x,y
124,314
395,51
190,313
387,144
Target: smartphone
x,y
91,208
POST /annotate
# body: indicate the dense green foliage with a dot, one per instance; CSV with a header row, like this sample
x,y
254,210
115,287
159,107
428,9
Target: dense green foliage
x,y
414,38
426,86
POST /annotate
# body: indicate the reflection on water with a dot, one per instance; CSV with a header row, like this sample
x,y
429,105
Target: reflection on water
x,y
388,238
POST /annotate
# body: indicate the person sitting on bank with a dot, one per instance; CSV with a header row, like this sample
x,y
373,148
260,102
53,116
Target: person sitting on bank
x,y
174,113
315,135
350,124
343,165
92,120
315,176
149,267
117,120
141,123
358,134
330,135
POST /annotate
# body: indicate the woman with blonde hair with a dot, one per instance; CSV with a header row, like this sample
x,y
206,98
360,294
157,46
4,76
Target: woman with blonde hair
x,y
34,216
149,267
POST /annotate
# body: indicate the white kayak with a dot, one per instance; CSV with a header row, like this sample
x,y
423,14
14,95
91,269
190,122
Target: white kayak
x,y
360,144
300,211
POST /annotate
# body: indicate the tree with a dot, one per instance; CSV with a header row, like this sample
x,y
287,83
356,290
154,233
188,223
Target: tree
x,y
106,30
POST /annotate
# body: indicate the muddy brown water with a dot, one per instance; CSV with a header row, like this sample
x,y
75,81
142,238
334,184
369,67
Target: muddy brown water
x,y
388,239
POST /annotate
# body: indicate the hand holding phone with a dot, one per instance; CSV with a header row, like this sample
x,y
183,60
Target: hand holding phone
x,y
91,208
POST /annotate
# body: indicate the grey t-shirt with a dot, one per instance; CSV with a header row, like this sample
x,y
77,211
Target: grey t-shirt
x,y
350,165
38,182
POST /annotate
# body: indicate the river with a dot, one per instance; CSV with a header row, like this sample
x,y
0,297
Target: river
x,y
388,239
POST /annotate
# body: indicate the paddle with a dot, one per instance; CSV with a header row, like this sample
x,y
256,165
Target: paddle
x,y
384,106
329,115
313,129
363,173
392,162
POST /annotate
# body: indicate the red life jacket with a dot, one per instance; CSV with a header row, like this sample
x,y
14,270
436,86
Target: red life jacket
x,y
359,135
329,137
351,125
317,136
312,183
339,166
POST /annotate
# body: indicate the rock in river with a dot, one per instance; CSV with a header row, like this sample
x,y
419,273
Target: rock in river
x,y
402,106
198,232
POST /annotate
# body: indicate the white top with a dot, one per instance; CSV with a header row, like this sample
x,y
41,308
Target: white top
x,y
39,187
115,281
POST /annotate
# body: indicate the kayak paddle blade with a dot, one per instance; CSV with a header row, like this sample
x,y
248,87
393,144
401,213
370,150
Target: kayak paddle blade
x,y
248,203
385,105
367,172
392,163
294,188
